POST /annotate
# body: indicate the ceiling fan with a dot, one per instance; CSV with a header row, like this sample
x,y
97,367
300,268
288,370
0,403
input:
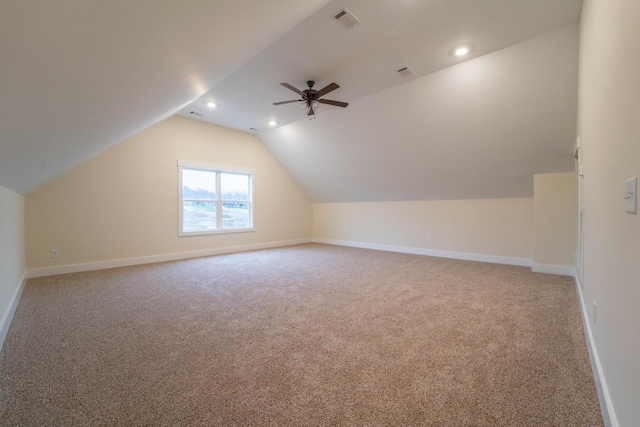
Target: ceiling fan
x,y
311,97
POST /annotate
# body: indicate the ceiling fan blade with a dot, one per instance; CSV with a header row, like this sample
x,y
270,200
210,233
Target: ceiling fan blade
x,y
328,88
288,86
336,103
287,102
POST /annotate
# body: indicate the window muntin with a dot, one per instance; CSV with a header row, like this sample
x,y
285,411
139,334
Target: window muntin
x,y
214,199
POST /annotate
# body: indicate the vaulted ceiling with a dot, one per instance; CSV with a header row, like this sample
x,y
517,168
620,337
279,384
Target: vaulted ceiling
x,y
78,77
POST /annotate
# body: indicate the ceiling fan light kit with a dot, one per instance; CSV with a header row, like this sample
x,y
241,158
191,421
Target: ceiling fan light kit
x,y
311,98
311,107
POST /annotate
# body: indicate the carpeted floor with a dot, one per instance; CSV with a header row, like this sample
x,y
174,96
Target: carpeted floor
x,y
306,335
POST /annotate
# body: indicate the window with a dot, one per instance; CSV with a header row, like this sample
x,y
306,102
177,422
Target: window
x,y
214,198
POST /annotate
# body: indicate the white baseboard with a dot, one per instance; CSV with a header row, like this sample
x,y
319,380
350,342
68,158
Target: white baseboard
x,y
553,269
101,265
7,317
601,383
523,262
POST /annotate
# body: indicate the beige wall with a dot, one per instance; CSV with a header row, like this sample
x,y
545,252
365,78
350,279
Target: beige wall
x,y
12,258
123,203
554,219
496,227
609,128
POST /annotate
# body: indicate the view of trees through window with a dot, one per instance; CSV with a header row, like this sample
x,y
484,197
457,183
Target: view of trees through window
x,y
204,211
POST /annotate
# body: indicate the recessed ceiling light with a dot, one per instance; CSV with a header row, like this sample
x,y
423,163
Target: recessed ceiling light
x,y
211,104
462,50
272,123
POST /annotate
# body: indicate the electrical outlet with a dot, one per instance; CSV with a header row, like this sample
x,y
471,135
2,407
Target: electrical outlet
x,y
429,240
594,311
55,253
235,237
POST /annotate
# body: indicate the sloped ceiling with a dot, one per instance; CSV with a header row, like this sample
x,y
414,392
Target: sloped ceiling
x,y
77,77
478,127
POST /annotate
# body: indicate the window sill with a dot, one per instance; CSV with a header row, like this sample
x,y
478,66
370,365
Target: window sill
x,y
214,232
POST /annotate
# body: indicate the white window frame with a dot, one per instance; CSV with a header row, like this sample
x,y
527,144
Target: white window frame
x,y
217,169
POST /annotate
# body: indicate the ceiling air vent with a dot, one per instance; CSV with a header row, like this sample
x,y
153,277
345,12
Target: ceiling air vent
x,y
346,18
195,113
406,72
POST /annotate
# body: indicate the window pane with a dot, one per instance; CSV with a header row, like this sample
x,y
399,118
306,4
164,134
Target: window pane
x,y
198,184
234,186
198,216
236,214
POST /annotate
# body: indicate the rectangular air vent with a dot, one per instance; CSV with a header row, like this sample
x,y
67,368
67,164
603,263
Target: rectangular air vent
x,y
346,18
406,72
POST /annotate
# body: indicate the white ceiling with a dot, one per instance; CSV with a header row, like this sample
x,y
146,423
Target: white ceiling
x,y
480,129
77,77
474,128
364,59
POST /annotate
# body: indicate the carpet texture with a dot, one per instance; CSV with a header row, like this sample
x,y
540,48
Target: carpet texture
x,y
305,335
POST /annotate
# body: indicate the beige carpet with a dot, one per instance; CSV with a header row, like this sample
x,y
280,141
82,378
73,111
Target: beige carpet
x,y
307,335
